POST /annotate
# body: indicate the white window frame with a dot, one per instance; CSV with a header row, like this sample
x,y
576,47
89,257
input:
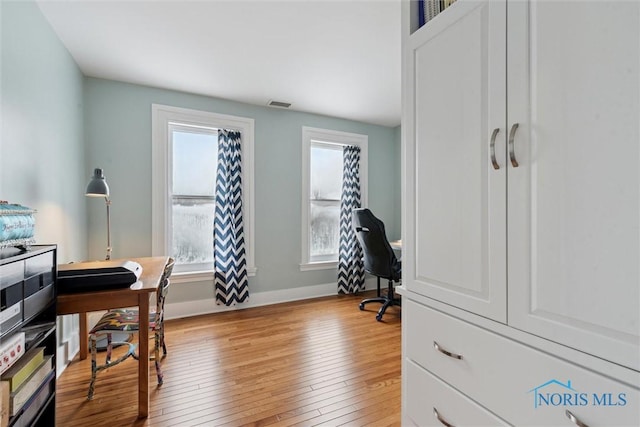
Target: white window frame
x,y
327,136
161,177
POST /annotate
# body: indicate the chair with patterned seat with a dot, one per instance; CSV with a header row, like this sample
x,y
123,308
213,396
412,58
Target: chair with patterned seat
x,y
126,321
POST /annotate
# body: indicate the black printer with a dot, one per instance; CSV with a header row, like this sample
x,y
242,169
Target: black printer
x,y
97,275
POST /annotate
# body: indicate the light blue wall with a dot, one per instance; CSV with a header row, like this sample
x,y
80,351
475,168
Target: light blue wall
x,y
118,129
57,126
42,143
397,177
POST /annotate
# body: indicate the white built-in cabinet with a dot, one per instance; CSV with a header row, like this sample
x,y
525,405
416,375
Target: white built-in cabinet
x,y
574,204
459,201
521,206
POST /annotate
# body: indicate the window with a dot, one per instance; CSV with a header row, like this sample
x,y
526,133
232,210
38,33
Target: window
x,y
325,187
184,156
194,152
322,188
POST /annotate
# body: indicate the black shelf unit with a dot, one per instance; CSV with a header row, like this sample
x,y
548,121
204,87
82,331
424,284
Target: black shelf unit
x,y
28,290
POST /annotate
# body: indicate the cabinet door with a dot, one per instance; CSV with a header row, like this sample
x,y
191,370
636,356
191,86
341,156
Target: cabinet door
x,y
573,201
455,201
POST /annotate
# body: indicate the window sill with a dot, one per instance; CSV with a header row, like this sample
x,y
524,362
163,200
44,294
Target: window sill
x,y
324,265
201,276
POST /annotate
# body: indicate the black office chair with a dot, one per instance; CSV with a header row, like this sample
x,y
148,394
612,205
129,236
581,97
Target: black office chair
x,y
379,258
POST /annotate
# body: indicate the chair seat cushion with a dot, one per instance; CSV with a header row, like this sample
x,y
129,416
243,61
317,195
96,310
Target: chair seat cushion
x,y
121,320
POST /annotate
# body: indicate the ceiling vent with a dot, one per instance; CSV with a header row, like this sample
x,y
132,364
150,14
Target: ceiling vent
x,y
279,104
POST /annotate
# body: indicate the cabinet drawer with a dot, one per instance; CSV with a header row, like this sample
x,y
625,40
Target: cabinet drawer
x,y
428,394
39,272
39,264
10,306
523,385
11,274
35,283
38,301
10,295
10,317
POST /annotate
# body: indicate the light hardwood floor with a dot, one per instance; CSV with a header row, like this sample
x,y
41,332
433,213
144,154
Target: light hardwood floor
x,y
306,363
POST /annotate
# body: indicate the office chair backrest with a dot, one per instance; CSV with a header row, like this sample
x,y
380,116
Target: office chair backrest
x,y
379,258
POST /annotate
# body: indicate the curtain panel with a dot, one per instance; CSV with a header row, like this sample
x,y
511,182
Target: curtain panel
x,y
350,264
229,256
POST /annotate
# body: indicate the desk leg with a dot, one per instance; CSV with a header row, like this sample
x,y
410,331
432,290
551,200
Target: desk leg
x,y
143,352
84,335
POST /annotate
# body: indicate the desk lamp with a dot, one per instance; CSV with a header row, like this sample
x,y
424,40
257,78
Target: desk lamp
x,y
98,187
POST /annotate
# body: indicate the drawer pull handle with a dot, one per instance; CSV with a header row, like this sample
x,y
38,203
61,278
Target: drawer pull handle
x,y
574,420
439,418
492,146
512,150
445,352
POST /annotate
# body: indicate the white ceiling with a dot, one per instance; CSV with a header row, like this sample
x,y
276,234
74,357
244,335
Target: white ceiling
x,y
333,57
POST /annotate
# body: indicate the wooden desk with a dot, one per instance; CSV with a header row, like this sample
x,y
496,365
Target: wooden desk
x,y
136,295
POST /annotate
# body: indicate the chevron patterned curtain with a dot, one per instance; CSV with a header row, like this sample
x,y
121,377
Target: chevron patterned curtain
x,y
350,264
230,275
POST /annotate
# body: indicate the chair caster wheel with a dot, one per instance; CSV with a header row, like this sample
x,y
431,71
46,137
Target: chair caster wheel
x,y
379,317
361,307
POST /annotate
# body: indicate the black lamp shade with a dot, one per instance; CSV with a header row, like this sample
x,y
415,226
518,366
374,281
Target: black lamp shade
x,y
97,187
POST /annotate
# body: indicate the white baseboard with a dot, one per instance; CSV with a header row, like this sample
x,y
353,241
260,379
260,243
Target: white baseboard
x,y
194,308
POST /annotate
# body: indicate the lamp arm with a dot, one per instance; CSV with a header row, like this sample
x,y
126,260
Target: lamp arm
x,y
108,202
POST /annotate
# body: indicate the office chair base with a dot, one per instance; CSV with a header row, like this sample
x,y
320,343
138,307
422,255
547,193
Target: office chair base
x,y
384,307
386,303
368,300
